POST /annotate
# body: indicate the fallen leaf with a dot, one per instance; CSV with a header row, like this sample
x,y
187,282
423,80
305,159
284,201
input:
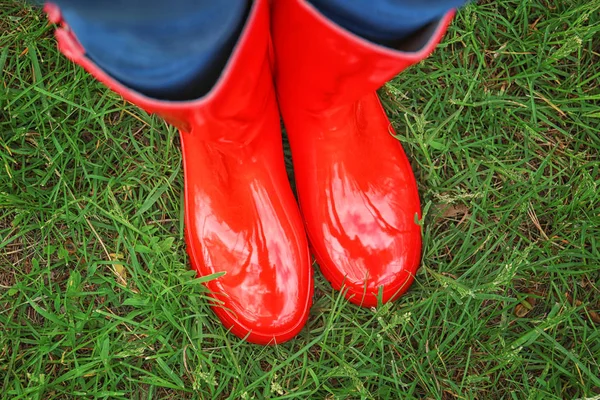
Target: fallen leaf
x,y
118,269
121,273
572,301
447,211
594,316
523,308
70,247
454,210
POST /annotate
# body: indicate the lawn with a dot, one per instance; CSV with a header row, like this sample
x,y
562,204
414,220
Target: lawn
x,y
502,125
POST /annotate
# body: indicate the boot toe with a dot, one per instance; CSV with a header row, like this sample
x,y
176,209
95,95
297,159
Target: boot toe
x,y
262,313
372,266
265,293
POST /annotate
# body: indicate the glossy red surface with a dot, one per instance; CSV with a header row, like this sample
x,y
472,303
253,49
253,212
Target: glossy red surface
x,y
357,192
240,214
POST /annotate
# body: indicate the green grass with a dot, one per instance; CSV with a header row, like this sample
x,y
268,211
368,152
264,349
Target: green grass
x,y
502,124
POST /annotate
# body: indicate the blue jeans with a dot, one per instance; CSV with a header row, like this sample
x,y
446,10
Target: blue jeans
x,y
175,50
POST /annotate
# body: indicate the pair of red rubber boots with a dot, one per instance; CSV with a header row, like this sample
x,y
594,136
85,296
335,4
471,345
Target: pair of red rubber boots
x,y
358,198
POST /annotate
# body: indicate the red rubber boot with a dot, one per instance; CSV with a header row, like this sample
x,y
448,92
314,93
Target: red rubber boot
x,y
241,217
357,192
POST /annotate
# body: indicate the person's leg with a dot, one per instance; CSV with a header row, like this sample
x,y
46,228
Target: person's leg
x,y
356,189
384,21
241,219
171,50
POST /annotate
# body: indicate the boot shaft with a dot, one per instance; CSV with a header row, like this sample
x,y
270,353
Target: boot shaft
x,y
239,96
320,65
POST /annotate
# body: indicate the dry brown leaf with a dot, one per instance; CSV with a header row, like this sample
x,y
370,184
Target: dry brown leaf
x,y
523,308
454,210
594,316
446,211
70,247
572,301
